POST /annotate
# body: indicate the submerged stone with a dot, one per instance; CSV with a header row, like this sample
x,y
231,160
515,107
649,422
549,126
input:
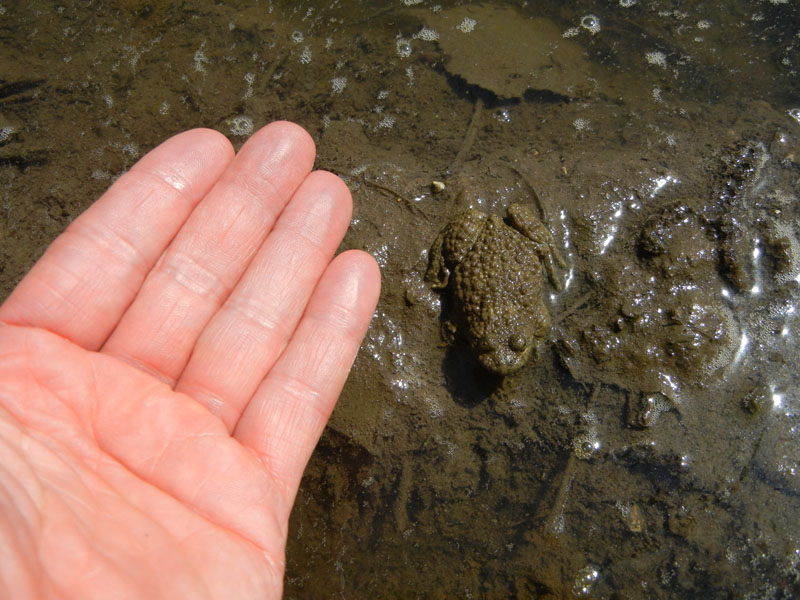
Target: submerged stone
x,y
507,53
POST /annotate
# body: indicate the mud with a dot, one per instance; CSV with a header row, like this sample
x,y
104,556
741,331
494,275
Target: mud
x,y
651,449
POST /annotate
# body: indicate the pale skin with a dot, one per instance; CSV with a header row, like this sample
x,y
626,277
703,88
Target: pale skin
x,y
166,369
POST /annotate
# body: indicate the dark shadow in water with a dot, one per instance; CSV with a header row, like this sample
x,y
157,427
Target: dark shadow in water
x,y
467,381
13,88
470,91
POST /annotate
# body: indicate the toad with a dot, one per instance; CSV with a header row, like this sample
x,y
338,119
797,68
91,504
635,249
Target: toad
x,y
492,270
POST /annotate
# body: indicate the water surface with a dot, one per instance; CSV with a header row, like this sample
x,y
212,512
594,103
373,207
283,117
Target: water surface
x,y
651,447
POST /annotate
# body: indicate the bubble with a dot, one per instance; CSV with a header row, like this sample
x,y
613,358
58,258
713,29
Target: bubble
x,y
627,3
585,580
591,23
305,56
658,184
794,113
241,125
503,115
585,446
297,37
645,409
403,48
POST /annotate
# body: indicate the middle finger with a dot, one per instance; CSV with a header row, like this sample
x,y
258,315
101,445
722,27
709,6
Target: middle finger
x,y
245,338
200,267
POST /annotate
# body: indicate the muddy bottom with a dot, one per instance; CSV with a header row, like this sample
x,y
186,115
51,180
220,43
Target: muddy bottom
x,y
648,444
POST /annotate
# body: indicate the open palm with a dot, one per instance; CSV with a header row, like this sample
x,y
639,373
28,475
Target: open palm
x,y
166,369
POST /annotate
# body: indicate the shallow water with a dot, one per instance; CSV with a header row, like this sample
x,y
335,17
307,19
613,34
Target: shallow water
x,y
650,449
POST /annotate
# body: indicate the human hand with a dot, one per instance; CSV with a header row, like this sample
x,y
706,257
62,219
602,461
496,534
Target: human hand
x,y
167,368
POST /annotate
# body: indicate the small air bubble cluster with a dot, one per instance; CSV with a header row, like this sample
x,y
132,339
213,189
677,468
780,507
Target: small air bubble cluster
x,y
580,124
249,79
657,58
200,59
503,115
338,84
6,132
241,125
427,34
656,94
467,25
131,149
387,122
585,580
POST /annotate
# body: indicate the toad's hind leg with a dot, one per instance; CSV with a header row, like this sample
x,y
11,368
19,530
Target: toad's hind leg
x,y
524,221
453,244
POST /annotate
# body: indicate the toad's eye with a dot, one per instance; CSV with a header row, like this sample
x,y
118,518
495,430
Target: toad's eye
x,y
518,342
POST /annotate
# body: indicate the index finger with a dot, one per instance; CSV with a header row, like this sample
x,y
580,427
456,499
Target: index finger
x,y
89,275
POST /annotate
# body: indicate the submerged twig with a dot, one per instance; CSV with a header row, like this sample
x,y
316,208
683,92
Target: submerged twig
x,y
573,308
275,66
397,195
383,188
555,518
469,136
543,212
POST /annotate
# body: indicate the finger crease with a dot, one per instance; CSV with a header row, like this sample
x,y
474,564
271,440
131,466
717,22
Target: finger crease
x,y
191,275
